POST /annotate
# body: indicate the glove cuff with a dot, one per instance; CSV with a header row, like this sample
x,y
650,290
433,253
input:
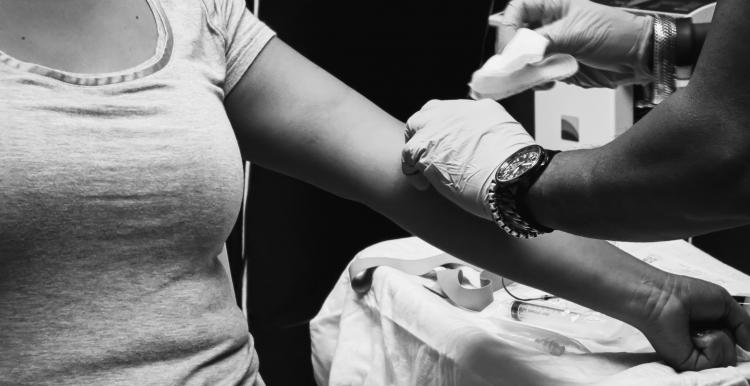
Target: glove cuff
x,y
513,145
642,68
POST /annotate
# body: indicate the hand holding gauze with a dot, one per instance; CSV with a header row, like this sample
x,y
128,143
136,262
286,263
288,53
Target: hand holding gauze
x,y
521,66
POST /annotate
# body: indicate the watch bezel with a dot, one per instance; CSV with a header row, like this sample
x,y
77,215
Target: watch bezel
x,y
511,159
503,196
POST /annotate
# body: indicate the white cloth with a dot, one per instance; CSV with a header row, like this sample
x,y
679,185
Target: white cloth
x,y
520,66
399,333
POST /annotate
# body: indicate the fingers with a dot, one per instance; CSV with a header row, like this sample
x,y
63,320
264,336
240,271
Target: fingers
x,y
714,348
444,129
410,168
520,14
590,77
702,350
722,311
440,110
544,15
722,324
739,322
419,119
557,42
410,155
545,86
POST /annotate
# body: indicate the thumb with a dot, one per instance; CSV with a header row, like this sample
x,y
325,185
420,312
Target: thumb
x,y
715,348
558,41
519,14
544,87
410,157
739,320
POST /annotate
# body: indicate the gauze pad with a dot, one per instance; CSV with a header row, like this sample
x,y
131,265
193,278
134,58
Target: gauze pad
x,y
519,67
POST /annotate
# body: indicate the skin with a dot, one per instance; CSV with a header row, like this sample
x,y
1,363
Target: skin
x,y
110,35
293,117
683,170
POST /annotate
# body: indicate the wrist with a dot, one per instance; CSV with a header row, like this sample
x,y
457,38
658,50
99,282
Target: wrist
x,y
647,298
538,202
523,207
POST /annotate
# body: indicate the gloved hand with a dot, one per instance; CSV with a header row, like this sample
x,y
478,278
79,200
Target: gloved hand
x,y
693,324
612,46
458,144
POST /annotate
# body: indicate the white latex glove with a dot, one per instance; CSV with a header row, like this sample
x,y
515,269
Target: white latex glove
x,y
611,45
458,144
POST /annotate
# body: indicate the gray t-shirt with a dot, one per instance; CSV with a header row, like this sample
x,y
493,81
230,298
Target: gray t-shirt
x,y
117,192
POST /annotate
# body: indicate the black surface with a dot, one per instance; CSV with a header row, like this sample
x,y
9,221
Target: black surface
x,y
729,246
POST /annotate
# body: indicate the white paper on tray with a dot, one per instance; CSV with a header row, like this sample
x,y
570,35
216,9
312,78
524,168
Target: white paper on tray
x,y
402,333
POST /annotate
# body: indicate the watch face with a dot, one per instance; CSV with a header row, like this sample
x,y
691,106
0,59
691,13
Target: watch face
x,y
519,163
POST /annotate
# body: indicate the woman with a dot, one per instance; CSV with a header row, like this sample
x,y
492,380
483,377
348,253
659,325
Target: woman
x,y
121,179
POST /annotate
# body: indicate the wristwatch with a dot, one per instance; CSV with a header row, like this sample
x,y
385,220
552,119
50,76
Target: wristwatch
x,y
511,183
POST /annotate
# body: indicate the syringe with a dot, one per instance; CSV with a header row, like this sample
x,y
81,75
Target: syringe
x,y
591,325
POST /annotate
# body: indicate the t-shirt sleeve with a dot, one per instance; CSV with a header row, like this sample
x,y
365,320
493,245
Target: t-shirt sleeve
x,y
245,36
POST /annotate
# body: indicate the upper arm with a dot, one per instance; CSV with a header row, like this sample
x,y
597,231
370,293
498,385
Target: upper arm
x,y
709,121
292,116
717,100
720,77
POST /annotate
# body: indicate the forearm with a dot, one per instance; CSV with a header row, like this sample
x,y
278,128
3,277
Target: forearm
x,y
680,171
670,176
591,272
295,118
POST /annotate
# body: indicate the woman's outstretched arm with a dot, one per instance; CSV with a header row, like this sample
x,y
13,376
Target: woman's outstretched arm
x,y
291,116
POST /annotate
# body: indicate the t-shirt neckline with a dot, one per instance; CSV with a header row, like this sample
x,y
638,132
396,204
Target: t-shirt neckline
x,y
159,60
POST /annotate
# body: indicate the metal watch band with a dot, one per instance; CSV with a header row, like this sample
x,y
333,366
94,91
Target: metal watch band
x,y
665,40
506,216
